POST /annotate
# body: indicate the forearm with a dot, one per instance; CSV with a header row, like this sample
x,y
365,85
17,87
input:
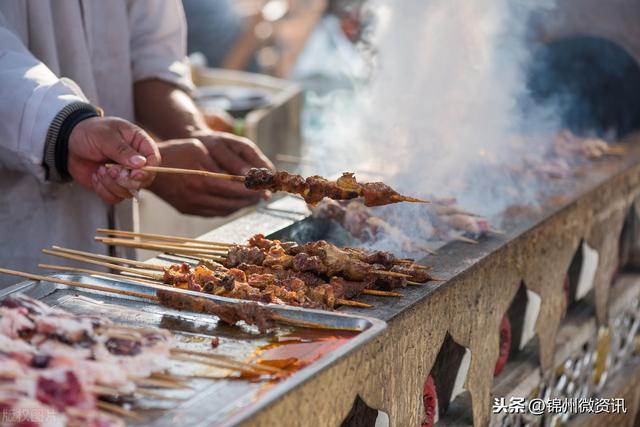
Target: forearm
x,y
166,110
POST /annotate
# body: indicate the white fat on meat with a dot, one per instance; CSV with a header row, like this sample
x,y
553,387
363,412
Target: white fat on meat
x,y
93,372
11,368
56,348
13,345
14,320
71,327
154,356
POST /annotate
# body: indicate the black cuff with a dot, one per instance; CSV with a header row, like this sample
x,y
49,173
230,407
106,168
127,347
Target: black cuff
x,y
56,155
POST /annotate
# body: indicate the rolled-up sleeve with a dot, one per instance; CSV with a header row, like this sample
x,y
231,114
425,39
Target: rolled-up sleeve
x,y
159,42
31,96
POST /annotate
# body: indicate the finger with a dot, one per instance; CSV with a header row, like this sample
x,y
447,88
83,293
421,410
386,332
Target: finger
x,y
251,154
122,153
234,190
145,145
108,182
227,158
103,193
119,146
219,187
143,177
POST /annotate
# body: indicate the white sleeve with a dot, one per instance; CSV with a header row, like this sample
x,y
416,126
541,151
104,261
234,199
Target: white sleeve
x,y
159,41
30,97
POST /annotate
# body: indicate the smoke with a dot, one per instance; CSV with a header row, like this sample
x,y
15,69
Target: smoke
x,y
442,106
443,99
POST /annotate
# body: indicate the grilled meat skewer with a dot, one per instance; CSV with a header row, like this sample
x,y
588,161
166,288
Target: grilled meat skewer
x,y
321,258
263,285
315,188
252,314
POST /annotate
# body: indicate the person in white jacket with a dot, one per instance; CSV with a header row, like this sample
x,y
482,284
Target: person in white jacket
x,y
63,63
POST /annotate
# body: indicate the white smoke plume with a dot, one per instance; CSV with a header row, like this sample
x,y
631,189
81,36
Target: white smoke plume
x,y
441,104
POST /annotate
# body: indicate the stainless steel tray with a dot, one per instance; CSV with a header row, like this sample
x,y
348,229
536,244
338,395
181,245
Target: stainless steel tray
x,y
209,402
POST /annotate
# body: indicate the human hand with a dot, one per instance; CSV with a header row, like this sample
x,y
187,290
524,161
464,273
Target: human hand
x,y
234,154
96,141
215,152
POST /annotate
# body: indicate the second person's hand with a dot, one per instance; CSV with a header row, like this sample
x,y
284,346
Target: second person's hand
x,y
214,152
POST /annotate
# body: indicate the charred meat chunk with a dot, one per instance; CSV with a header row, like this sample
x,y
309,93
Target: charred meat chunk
x,y
259,179
417,275
244,254
251,314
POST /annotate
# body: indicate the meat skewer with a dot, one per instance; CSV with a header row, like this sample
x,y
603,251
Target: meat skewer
x,y
62,362
224,282
322,258
315,188
361,223
326,259
312,189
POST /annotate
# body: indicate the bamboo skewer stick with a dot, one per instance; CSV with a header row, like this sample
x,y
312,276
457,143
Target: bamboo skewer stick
x,y
223,364
160,169
352,303
226,359
170,377
426,249
616,150
161,383
100,263
158,247
118,410
389,273
219,260
96,273
215,363
197,245
153,395
114,392
193,257
465,239
158,237
40,278
381,293
311,325
144,265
